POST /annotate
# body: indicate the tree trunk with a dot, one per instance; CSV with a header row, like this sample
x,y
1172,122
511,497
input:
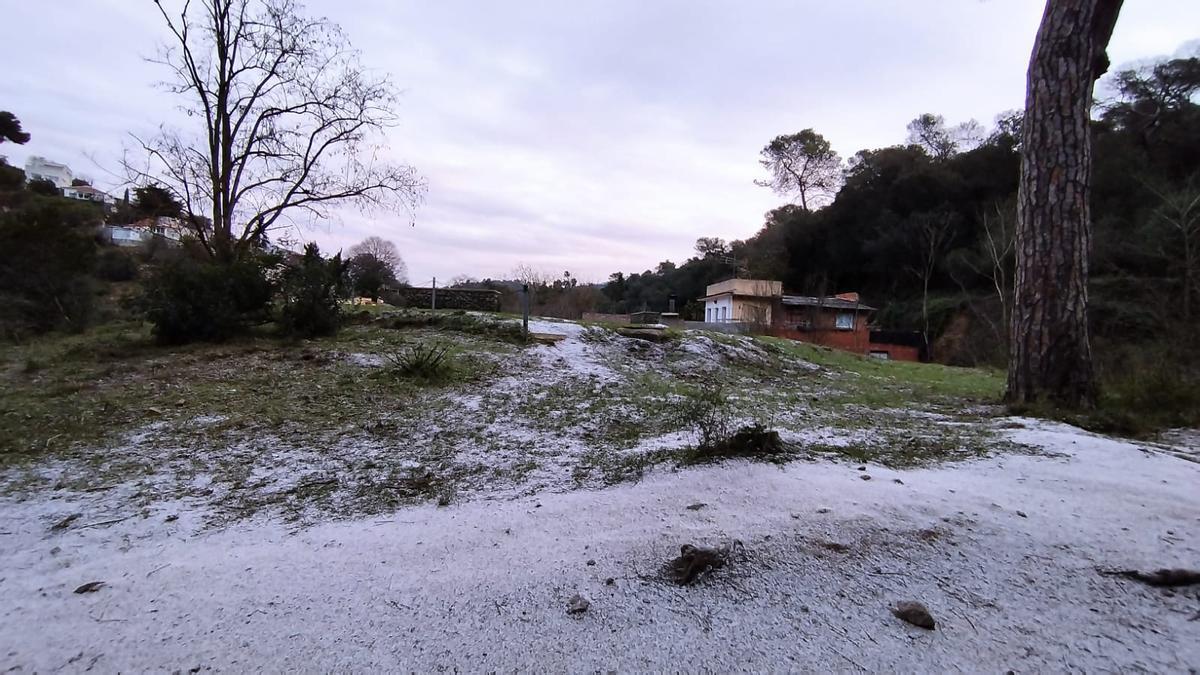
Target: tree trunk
x,y
1050,355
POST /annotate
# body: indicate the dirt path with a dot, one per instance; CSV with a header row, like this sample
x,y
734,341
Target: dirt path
x,y
484,585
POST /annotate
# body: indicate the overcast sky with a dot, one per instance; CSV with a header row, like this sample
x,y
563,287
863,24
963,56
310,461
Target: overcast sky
x,y
589,136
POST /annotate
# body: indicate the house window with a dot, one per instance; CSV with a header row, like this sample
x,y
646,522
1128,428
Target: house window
x,y
845,321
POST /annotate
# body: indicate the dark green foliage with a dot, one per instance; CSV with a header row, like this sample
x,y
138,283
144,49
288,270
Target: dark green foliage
x,y
458,321
368,275
44,188
150,201
47,253
11,178
750,442
312,289
116,265
192,300
10,129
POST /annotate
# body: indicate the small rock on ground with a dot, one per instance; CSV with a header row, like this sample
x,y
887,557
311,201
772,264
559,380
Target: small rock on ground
x,y
915,613
577,604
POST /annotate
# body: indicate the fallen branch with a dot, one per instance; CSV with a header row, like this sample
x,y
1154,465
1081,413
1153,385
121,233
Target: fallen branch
x,y
103,522
1162,578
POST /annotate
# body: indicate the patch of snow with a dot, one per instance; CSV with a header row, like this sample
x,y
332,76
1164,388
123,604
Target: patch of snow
x,y
1005,553
365,360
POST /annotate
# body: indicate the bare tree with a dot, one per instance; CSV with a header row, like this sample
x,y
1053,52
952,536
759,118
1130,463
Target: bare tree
x,y
804,165
968,135
385,252
1179,210
1050,355
933,233
991,259
290,123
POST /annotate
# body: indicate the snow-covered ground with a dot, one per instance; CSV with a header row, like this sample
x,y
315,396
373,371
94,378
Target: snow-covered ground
x,y
1005,551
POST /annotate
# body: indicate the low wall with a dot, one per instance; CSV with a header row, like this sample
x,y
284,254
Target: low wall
x,y
606,318
896,352
846,340
477,299
855,341
731,327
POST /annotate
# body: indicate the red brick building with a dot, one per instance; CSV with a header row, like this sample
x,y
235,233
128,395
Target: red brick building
x,y
841,321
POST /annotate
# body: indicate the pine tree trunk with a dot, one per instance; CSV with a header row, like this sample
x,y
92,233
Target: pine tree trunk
x,y
1050,356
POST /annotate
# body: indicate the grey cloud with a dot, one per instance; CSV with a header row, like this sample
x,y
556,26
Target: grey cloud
x,y
592,136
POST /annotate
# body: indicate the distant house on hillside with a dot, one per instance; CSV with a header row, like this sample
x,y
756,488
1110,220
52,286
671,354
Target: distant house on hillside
x,y
87,193
40,168
741,301
170,230
840,321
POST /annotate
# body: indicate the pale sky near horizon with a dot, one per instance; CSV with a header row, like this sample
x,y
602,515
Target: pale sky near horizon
x,y
590,136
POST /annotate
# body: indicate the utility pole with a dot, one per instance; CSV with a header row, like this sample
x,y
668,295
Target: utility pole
x,y
433,304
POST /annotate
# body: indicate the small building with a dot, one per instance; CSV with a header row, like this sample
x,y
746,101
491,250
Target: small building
x,y
40,168
170,230
840,321
748,301
87,193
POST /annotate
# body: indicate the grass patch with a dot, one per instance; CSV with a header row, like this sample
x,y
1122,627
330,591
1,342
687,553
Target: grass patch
x,y
456,321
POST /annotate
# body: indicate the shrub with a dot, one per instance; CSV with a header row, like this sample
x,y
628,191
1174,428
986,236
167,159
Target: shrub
x,y
311,295
753,442
116,265
205,301
457,321
46,258
705,409
428,362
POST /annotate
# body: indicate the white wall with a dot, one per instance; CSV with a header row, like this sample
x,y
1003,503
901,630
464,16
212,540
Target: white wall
x,y
719,310
42,168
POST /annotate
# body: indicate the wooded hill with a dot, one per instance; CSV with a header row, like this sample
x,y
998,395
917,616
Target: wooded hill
x,y
925,230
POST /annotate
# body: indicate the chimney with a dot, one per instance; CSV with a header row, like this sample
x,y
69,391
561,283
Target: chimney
x,y
851,297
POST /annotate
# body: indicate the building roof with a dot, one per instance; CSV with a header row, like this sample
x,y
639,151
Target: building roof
x,y
831,303
86,189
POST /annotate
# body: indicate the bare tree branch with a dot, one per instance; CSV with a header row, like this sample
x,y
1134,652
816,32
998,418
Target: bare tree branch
x,y
292,123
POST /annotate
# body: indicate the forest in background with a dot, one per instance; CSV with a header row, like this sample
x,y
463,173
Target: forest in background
x,y
925,230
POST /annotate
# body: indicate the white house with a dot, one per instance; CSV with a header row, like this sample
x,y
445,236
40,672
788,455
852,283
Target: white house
x,y
87,193
40,168
741,301
143,231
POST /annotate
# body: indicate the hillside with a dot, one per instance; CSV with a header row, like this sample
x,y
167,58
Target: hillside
x,y
306,507
326,427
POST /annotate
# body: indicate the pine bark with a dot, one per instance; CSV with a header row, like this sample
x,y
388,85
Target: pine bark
x,y
1051,357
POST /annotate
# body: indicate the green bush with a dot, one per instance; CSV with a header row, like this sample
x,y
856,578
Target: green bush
x,y
205,301
46,258
116,265
312,291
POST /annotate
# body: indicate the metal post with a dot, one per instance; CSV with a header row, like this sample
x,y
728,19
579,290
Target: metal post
x,y
434,294
525,309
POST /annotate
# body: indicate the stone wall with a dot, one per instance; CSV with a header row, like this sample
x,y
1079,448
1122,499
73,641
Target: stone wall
x,y
477,299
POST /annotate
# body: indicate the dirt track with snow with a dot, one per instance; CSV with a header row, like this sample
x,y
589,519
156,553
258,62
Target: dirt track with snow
x,y
484,585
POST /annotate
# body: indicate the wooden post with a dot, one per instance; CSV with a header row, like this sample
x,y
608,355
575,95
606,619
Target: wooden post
x,y
525,309
433,304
